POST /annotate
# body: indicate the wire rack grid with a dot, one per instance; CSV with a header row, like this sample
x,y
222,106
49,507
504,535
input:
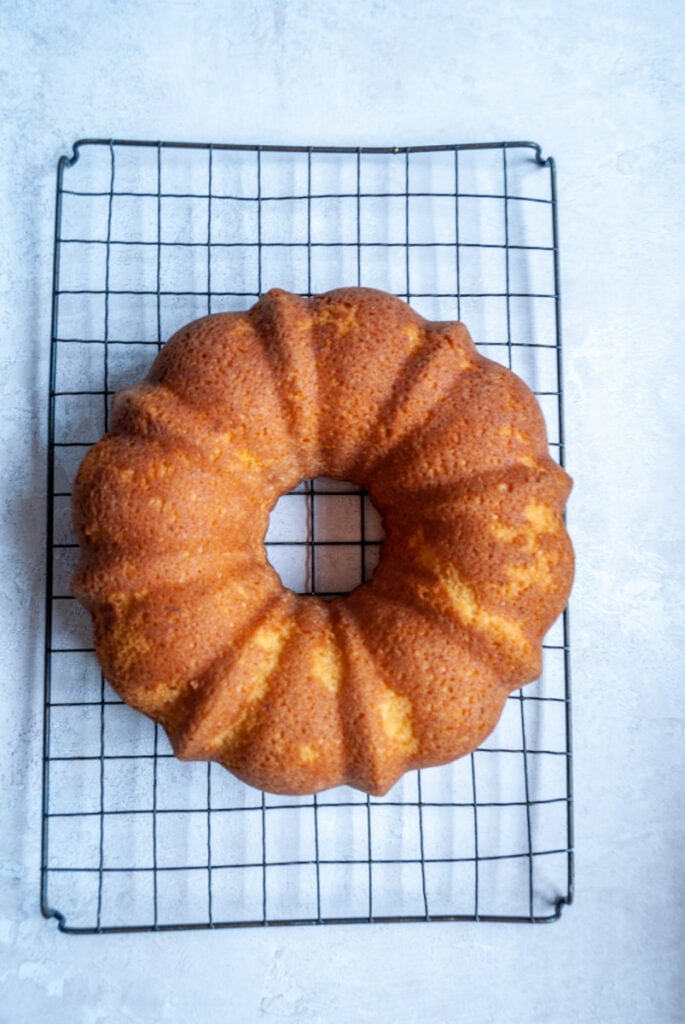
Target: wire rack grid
x,y
150,235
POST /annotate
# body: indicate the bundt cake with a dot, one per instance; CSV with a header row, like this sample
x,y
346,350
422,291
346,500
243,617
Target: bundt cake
x,y
192,625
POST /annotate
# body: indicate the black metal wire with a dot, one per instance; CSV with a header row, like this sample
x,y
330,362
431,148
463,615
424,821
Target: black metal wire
x,y
210,916
212,804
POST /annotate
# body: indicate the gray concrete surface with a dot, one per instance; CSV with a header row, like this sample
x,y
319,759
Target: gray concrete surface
x,y
601,87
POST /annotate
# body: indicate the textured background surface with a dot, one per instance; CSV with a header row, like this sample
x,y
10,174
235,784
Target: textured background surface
x,y
601,87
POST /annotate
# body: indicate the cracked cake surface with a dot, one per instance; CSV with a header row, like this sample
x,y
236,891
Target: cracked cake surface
x,y
193,626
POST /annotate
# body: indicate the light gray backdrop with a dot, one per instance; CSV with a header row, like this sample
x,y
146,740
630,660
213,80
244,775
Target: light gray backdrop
x,y
601,87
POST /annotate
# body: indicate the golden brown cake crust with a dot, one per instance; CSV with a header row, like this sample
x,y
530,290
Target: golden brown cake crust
x,y
193,626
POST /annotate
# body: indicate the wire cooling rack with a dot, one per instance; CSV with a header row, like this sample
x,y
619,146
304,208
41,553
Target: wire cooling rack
x,y
147,237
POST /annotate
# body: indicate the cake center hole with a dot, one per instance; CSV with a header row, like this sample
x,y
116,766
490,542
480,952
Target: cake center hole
x,y
324,538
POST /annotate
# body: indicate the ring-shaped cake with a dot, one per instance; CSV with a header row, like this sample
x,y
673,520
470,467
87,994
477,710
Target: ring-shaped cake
x,y
193,626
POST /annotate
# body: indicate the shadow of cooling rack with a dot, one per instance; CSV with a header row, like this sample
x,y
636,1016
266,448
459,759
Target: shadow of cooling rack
x,y
149,236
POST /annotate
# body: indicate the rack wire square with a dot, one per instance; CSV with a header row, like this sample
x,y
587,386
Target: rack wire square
x,y
150,235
